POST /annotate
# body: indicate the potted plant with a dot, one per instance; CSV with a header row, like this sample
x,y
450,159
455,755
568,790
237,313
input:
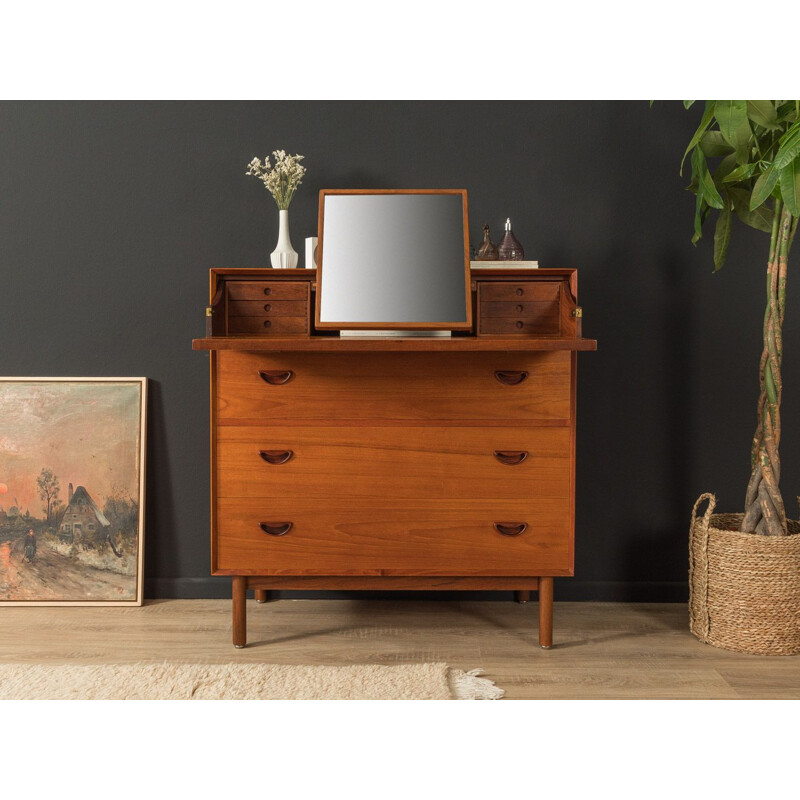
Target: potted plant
x,y
745,568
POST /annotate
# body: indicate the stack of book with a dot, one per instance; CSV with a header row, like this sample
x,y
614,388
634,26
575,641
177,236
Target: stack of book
x,y
503,264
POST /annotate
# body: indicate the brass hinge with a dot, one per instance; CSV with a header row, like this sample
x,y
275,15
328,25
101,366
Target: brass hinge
x,y
209,311
577,312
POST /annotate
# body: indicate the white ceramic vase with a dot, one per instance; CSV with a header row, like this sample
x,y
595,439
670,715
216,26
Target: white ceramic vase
x,y
284,255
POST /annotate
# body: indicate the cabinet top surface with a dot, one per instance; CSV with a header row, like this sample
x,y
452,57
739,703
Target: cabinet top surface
x,y
361,344
311,274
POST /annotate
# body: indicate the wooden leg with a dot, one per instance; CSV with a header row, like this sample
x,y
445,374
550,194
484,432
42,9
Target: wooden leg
x,y
545,613
262,595
239,611
522,596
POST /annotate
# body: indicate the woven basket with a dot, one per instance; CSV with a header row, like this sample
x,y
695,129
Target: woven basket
x,y
744,589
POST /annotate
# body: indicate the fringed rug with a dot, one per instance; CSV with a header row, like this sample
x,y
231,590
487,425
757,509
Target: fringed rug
x,y
242,682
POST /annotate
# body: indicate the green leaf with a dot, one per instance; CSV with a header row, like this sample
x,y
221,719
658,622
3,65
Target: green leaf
x,y
731,116
722,237
714,144
687,104
726,166
741,173
764,186
708,115
789,147
699,217
790,187
786,111
763,113
760,219
705,184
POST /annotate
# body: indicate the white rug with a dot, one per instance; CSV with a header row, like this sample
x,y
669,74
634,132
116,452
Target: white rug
x,y
242,682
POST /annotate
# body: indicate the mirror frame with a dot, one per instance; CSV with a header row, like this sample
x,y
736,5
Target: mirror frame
x,y
418,326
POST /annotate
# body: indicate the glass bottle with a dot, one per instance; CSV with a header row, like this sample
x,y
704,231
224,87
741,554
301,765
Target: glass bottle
x,y
510,249
488,249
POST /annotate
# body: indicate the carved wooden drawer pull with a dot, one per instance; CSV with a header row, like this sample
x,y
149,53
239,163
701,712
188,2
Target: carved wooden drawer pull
x,y
276,528
511,528
511,457
511,377
276,456
276,377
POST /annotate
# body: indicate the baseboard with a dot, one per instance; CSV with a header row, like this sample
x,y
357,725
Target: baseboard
x,y
566,589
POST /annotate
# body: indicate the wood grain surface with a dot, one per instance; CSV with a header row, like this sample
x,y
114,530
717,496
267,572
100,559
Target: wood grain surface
x,y
456,387
268,290
271,308
388,464
400,344
600,650
268,325
421,538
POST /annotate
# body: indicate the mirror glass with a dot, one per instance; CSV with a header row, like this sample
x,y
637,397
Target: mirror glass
x,y
393,259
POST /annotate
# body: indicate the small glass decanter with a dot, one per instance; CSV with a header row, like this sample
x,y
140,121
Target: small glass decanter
x,y
510,249
488,249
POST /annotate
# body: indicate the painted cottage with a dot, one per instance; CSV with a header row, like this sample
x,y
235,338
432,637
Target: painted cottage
x,y
83,521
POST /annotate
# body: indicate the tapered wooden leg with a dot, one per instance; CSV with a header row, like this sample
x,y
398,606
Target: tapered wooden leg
x,y
239,611
262,595
545,612
522,596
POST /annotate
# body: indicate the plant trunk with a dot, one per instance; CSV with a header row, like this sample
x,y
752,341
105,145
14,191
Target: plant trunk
x,y
765,513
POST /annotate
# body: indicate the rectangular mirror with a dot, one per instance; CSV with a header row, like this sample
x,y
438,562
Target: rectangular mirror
x,y
393,258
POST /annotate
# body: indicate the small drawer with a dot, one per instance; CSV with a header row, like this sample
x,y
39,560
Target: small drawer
x,y
523,310
547,325
268,325
263,290
268,308
543,291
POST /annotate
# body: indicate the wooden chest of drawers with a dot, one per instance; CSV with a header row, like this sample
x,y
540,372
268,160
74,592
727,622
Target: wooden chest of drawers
x,y
403,463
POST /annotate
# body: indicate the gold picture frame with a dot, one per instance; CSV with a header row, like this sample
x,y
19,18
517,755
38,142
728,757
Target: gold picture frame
x,y
72,491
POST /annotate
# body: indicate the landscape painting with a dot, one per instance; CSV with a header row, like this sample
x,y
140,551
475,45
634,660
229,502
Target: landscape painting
x,y
72,454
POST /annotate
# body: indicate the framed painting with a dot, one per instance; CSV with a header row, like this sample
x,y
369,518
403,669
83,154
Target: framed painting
x,y
72,459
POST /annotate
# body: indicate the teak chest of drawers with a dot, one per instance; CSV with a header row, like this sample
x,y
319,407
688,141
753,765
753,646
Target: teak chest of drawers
x,y
393,463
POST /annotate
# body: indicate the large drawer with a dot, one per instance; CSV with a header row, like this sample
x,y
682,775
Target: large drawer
x,y
385,464
498,388
412,539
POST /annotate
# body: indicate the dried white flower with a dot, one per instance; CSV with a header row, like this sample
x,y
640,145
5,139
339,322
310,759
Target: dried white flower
x,y
282,180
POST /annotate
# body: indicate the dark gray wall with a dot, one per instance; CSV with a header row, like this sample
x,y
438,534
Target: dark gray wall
x,y
111,214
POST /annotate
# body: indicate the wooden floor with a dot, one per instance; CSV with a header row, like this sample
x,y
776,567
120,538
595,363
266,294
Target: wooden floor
x,y
600,650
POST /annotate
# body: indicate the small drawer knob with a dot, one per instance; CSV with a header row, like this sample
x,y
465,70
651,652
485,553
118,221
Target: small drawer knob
x,y
276,456
276,377
276,528
520,308
511,528
267,290
520,292
511,457
511,377
519,324
268,307
267,323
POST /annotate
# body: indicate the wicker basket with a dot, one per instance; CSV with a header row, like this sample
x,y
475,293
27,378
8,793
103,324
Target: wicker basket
x,y
744,589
